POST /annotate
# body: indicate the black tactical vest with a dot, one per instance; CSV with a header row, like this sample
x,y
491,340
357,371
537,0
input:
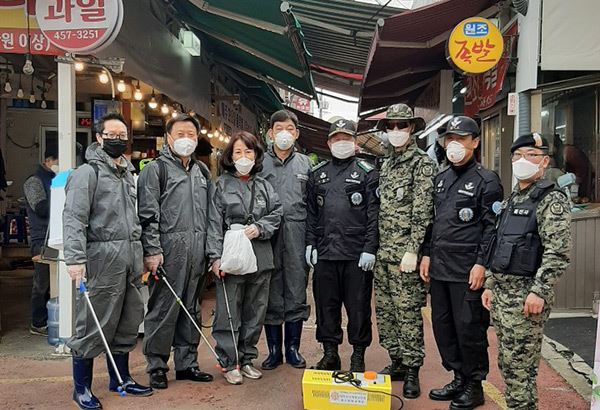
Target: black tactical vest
x,y
518,248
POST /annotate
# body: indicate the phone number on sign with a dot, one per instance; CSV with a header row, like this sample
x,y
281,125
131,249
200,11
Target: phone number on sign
x,y
77,34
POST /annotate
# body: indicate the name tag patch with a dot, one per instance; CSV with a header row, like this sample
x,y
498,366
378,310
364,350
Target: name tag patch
x,y
521,212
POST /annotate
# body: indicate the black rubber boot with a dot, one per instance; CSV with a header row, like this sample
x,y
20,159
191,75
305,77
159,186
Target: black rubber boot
x,y
274,340
411,388
357,360
331,358
396,370
471,397
449,391
293,334
83,371
129,385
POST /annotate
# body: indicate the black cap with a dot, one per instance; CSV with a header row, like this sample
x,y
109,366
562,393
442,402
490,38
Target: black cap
x,y
343,126
533,140
461,125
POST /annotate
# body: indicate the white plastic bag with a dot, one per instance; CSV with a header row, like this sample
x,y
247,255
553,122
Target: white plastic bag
x,y
238,257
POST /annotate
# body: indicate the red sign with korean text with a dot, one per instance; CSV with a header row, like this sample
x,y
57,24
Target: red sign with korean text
x,y
483,89
80,26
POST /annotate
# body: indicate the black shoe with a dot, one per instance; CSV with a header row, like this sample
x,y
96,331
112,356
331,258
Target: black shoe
x,y
396,370
357,360
129,385
331,358
274,335
293,333
194,374
471,397
158,379
411,388
38,330
83,370
449,391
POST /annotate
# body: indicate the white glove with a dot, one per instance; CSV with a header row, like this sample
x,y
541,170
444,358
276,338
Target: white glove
x,y
366,261
311,256
409,262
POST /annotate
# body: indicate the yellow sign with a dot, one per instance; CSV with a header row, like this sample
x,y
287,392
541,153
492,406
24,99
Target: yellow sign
x,y
475,45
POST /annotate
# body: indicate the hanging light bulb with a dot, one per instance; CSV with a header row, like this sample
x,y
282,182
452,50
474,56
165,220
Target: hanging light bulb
x,y
20,92
79,66
138,93
44,105
164,109
103,78
32,93
121,86
153,103
174,114
463,90
28,66
7,86
203,131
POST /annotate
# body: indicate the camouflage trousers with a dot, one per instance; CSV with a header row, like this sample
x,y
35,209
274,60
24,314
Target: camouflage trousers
x,y
519,341
399,298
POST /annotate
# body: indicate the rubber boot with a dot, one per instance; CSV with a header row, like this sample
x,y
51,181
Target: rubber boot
x,y
129,385
411,388
357,360
395,369
274,340
293,334
330,359
471,397
450,390
83,371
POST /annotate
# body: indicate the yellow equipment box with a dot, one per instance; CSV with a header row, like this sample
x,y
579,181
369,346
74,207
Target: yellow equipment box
x,y
322,392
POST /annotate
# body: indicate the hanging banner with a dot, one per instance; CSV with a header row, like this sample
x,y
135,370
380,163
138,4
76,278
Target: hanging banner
x,y
14,30
475,46
483,89
80,26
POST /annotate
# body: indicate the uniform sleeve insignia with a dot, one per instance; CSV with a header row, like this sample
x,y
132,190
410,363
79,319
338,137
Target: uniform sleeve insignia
x,y
427,170
557,209
365,166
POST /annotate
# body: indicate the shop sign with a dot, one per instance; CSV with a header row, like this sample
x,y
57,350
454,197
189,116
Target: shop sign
x,y
475,46
483,89
80,26
300,104
14,32
232,117
513,104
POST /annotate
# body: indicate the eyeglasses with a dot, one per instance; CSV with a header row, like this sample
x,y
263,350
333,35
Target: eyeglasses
x,y
112,136
528,156
390,125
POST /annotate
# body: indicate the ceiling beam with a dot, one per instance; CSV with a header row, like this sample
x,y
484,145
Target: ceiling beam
x,y
331,27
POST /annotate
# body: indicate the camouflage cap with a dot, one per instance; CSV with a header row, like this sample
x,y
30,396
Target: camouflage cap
x,y
401,112
342,126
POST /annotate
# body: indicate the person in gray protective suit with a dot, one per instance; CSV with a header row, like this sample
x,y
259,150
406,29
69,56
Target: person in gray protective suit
x,y
102,244
241,197
288,172
173,209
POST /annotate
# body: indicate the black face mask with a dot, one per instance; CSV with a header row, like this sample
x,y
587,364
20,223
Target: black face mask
x,y
114,147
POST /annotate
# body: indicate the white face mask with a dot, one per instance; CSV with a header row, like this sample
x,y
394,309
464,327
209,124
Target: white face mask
x,y
55,168
343,149
455,151
523,169
284,140
244,165
398,138
184,146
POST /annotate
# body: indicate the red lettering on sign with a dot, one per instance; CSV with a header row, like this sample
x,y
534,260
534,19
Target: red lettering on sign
x,y
90,11
464,53
60,11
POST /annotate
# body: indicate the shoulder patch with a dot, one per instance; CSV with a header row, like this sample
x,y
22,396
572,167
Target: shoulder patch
x,y
365,166
427,170
557,208
320,165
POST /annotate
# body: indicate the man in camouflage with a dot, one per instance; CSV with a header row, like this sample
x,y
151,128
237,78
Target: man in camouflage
x,y
406,195
530,253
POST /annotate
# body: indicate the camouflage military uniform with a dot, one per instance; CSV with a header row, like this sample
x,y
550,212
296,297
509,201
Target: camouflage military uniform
x,y
406,194
520,338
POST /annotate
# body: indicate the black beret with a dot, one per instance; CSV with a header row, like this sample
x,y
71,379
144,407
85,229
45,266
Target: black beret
x,y
533,140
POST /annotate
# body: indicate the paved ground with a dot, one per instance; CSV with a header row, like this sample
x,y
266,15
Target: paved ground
x,y
577,333
31,378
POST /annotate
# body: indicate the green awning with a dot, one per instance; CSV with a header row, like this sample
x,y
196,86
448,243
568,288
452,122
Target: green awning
x,y
254,37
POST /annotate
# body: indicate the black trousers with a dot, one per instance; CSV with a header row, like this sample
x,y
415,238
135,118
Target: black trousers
x,y
40,291
343,282
460,325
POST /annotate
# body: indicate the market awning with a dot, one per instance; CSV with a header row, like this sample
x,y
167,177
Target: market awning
x,y
313,133
410,48
254,37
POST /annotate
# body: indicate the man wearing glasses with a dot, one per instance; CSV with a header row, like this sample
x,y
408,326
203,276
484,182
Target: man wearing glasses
x,y
406,194
102,245
172,204
530,253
